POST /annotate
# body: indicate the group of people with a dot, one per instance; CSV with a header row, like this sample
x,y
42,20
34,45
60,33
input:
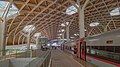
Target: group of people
x,y
54,47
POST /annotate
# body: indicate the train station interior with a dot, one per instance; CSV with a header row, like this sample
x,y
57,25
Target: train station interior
x,y
59,33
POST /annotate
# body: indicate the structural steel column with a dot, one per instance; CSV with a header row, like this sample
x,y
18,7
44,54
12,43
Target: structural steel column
x,y
63,41
37,40
2,37
81,27
28,40
63,38
67,33
3,31
81,21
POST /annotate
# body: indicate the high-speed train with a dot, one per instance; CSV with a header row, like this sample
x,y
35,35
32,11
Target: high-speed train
x,y
103,49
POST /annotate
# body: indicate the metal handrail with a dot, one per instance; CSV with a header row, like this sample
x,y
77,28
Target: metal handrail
x,y
17,54
41,61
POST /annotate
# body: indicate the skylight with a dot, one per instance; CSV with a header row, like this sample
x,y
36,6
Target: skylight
x,y
62,30
59,31
37,34
94,24
58,37
71,10
28,28
63,24
67,23
3,5
59,34
115,12
71,37
63,39
76,34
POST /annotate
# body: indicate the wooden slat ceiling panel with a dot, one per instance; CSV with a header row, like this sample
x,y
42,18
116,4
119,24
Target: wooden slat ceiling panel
x,y
49,15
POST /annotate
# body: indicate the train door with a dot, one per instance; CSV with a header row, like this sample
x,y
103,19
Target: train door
x,y
77,48
83,49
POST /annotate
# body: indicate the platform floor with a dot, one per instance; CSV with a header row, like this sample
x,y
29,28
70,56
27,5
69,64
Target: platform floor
x,y
61,59
84,63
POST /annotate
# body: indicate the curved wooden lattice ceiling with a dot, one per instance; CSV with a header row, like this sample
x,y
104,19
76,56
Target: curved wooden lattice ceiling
x,y
47,15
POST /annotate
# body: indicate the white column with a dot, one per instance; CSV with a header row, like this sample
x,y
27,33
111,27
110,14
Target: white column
x,y
3,26
2,37
81,23
81,18
81,26
28,40
67,33
63,41
37,40
37,43
63,38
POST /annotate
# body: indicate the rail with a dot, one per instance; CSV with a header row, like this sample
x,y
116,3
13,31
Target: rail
x,y
43,61
21,54
38,58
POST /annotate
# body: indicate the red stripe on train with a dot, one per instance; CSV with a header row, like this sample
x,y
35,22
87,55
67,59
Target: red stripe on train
x,y
110,62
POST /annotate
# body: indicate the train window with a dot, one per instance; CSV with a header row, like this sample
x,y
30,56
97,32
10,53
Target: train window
x,y
96,47
109,42
117,49
110,53
102,48
110,48
92,51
